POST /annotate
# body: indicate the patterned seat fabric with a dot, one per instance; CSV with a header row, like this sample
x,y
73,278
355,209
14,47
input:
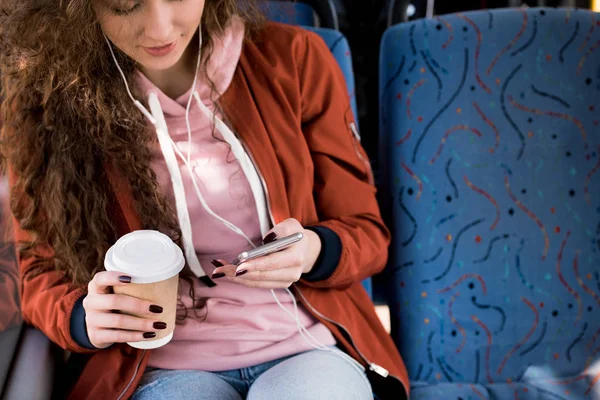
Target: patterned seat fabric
x,y
490,125
289,13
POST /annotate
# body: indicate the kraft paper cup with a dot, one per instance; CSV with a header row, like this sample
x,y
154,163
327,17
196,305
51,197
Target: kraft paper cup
x,y
153,262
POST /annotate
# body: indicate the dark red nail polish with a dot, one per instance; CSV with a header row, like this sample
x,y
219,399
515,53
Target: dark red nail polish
x,y
149,335
218,275
217,263
159,325
156,309
125,279
271,237
241,272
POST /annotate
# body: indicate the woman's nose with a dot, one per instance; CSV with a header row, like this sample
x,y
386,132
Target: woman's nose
x,y
158,23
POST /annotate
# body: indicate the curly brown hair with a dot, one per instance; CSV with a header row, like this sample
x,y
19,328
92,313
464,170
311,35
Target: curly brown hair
x,y
66,114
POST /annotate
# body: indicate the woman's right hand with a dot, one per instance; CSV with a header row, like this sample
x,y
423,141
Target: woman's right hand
x,y
106,313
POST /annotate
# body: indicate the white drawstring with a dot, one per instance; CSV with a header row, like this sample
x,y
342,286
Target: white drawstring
x,y
247,165
166,145
231,226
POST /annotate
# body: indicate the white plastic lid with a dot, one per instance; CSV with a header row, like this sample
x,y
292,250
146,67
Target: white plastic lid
x,y
147,256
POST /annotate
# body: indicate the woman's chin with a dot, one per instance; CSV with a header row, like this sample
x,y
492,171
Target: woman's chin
x,y
157,63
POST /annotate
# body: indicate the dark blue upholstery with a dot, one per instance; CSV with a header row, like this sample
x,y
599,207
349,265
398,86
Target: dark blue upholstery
x,y
321,13
290,13
490,133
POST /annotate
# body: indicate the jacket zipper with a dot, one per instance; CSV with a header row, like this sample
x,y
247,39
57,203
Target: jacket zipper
x,y
354,131
137,369
372,366
378,369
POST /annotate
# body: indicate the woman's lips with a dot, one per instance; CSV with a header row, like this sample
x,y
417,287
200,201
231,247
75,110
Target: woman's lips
x,y
162,50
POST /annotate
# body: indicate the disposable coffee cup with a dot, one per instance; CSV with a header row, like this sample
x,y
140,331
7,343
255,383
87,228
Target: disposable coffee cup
x,y
153,262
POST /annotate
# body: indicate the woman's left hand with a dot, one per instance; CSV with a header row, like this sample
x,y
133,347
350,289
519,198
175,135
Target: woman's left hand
x,y
277,270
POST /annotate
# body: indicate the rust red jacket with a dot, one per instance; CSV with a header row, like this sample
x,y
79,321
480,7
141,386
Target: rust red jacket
x,y
289,105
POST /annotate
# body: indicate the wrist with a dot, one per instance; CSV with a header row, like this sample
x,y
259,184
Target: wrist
x,y
314,250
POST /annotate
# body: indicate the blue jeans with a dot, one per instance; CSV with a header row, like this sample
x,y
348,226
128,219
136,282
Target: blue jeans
x,y
312,375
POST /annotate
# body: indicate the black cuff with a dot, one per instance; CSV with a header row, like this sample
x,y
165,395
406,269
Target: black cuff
x,y
78,327
329,258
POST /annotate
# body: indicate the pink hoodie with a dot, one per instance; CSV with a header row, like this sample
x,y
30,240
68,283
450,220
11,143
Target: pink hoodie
x,y
239,327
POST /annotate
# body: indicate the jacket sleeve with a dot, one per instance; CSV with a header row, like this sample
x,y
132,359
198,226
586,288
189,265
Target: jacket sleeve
x,y
47,297
344,192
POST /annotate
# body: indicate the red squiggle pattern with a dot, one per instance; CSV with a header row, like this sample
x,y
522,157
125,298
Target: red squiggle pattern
x,y
525,339
532,216
477,53
591,358
516,391
477,392
563,280
461,279
450,30
460,328
552,114
580,281
590,33
447,134
416,178
586,55
593,339
511,44
592,384
586,189
405,138
490,123
487,196
566,382
487,352
411,94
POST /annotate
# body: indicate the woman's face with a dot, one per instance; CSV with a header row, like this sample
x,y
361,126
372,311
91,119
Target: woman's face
x,y
154,33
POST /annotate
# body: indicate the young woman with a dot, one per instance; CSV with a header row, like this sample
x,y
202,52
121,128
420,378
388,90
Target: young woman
x,y
262,130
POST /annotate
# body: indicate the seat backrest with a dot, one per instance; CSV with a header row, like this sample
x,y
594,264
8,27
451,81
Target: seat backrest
x,y
490,133
290,13
321,13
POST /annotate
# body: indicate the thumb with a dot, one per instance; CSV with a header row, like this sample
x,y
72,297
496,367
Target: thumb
x,y
283,229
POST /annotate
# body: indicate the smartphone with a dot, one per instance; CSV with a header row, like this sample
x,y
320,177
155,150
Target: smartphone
x,y
266,249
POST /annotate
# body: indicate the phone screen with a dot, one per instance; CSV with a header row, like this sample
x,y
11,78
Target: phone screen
x,y
266,249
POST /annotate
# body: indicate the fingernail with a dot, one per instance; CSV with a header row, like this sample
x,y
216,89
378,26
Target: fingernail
x,y
271,237
156,309
241,272
218,275
125,279
149,335
159,325
217,263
